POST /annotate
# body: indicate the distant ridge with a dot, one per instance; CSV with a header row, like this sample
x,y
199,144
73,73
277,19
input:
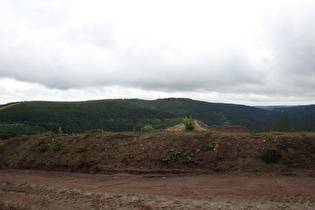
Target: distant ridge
x,y
24,118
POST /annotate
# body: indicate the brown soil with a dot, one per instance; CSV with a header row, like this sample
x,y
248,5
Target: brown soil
x,y
174,170
25,189
231,129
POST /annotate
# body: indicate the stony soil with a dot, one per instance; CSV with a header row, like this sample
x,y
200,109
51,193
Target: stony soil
x,y
160,170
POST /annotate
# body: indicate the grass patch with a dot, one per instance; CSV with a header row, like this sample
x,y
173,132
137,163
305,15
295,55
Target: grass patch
x,y
56,144
271,156
81,149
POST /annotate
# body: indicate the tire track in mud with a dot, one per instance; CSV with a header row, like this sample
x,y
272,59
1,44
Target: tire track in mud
x,y
14,195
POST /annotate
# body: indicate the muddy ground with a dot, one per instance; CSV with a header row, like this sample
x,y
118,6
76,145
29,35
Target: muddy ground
x,y
31,189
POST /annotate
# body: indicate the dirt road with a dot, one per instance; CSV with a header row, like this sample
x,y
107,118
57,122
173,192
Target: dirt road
x,y
28,189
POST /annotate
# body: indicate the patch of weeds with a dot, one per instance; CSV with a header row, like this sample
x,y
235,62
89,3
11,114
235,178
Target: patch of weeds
x,y
277,134
166,159
79,164
93,160
66,163
231,166
291,152
89,134
172,156
303,134
271,156
280,144
127,157
43,147
214,166
208,146
81,149
39,146
49,134
307,138
56,144
289,162
65,152
114,142
1,144
22,159
189,159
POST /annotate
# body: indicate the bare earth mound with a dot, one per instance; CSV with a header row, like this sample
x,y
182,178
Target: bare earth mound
x,y
178,170
230,129
181,127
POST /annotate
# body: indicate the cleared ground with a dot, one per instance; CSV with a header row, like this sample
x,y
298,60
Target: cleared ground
x,y
161,170
27,189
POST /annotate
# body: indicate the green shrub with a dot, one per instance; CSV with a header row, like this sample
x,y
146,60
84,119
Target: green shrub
x,y
271,156
208,146
93,160
280,145
43,147
189,124
147,128
81,149
56,144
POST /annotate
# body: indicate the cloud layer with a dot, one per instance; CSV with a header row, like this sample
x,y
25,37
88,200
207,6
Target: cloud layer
x,y
261,50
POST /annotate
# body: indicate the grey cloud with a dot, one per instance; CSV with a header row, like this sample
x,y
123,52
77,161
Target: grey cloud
x,y
93,54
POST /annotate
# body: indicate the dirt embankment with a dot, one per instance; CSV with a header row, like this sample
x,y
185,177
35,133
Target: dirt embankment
x,y
175,170
161,152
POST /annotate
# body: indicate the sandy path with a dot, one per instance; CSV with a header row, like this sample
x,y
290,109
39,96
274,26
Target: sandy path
x,y
27,189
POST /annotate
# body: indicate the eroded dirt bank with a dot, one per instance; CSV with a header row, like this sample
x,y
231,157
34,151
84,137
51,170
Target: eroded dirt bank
x,y
32,189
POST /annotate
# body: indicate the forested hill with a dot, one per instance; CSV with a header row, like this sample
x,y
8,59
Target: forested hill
x,y
132,114
75,117
210,113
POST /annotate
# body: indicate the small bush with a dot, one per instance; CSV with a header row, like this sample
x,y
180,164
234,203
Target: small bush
x,y
147,128
81,149
93,160
280,145
43,147
56,144
127,157
189,124
208,146
271,156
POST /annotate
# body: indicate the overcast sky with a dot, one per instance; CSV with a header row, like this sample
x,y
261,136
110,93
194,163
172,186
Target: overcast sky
x,y
245,51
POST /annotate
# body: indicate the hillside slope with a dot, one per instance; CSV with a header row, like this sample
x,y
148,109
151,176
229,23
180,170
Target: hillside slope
x,y
75,117
132,114
210,113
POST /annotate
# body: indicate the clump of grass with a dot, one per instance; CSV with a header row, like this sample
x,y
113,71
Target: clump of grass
x,y
271,156
81,149
56,144
93,160
43,147
39,146
127,157
208,146
280,144
172,156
